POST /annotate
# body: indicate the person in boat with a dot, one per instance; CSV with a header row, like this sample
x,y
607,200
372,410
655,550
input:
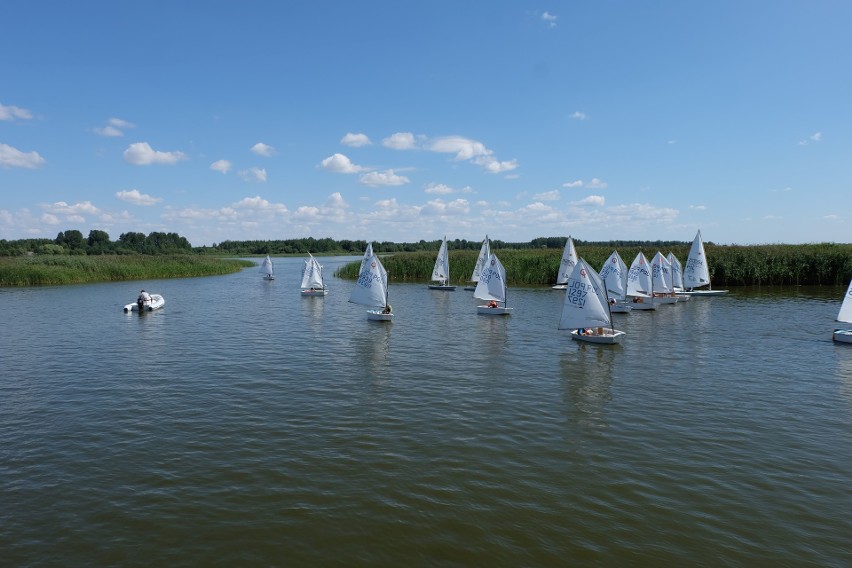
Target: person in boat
x,y
492,304
144,298
637,300
387,309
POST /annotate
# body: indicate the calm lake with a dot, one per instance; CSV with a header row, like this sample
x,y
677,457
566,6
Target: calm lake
x,y
243,425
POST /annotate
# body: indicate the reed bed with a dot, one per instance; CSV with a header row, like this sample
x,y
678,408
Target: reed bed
x,y
59,269
756,265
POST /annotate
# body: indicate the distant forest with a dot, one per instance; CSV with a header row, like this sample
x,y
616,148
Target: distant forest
x,y
72,242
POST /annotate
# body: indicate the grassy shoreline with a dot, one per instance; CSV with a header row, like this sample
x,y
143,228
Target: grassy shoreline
x,y
51,270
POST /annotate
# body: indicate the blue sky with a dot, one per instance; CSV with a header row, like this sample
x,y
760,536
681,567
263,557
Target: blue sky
x,y
412,120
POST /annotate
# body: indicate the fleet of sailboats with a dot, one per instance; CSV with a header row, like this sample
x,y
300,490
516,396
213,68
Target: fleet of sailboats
x,y
845,316
481,260
267,269
441,272
312,280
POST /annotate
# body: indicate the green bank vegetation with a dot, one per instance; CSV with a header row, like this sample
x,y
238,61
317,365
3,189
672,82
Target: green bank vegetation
x,y
756,265
45,270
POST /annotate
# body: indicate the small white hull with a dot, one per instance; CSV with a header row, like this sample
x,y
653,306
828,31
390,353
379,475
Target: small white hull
x,y
559,287
704,292
442,287
682,297
157,302
379,315
315,292
661,300
620,308
608,337
842,335
498,311
642,304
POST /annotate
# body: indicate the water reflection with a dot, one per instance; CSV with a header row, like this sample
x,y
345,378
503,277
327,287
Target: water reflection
x,y
586,372
372,344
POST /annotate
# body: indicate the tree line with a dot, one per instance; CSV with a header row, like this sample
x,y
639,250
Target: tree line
x,y
72,242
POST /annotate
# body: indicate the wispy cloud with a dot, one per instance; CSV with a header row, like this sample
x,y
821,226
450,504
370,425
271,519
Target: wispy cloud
x,y
593,183
355,140
596,200
577,115
114,127
141,154
549,19
464,149
262,149
137,198
254,174
547,196
223,166
815,137
385,178
400,141
575,183
698,207
12,112
13,158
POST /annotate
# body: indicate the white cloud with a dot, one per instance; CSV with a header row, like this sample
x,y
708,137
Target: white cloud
x,y
832,217
262,149
340,164
71,213
578,115
815,137
439,189
141,154
495,166
547,196
550,19
223,166
400,141
463,148
355,140
592,200
698,207
385,178
11,112
13,158
595,183
50,219
133,196
257,203
253,174
115,127
439,208
576,183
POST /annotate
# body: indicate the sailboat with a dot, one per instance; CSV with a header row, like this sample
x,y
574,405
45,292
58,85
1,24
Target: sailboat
x,y
312,281
697,274
368,254
372,290
845,315
585,310
614,275
441,272
663,291
481,260
639,285
492,287
566,265
267,269
677,277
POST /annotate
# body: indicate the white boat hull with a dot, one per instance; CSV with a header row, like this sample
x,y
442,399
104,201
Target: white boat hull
x,y
620,308
306,293
498,311
608,337
559,287
645,304
682,297
842,335
442,287
660,300
704,292
157,302
379,315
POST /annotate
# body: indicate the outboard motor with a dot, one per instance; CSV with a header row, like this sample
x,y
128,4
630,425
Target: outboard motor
x,y
140,303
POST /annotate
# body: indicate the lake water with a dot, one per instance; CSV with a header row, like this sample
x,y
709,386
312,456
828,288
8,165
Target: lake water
x,y
243,425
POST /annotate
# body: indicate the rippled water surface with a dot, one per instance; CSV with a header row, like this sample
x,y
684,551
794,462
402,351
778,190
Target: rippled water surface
x,y
245,425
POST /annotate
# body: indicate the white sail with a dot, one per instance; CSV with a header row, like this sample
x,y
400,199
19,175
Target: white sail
x,y
583,306
312,274
368,253
266,267
639,277
661,274
441,272
845,314
481,260
677,271
614,275
696,273
492,281
372,286
566,265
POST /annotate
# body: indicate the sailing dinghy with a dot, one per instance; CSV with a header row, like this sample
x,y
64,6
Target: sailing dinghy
x,y
441,272
267,269
697,273
492,287
845,316
661,280
481,260
372,290
585,310
312,280
677,278
639,285
614,275
566,265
